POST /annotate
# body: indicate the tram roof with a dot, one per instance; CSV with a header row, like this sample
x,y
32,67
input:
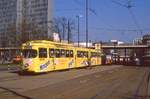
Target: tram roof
x,y
55,43
48,42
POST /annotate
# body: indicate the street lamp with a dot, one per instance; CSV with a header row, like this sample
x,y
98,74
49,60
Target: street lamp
x,y
78,17
87,19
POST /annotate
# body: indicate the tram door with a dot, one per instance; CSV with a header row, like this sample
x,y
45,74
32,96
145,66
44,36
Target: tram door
x,y
52,58
98,59
71,61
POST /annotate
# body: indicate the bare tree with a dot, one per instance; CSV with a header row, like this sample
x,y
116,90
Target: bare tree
x,y
27,31
60,25
70,27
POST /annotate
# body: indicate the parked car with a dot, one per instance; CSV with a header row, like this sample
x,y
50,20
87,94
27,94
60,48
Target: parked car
x,y
17,59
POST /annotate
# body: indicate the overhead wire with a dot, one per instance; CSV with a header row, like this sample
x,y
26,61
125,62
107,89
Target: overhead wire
x,y
119,3
135,20
129,6
117,29
63,10
90,9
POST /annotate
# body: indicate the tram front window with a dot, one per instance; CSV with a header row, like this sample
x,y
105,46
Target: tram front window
x,y
29,53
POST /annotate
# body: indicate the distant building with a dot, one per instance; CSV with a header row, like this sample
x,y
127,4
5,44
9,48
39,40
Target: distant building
x,y
83,44
8,15
146,41
138,41
13,12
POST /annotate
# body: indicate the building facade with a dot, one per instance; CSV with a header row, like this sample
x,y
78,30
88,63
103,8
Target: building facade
x,y
39,12
146,56
14,12
8,15
146,40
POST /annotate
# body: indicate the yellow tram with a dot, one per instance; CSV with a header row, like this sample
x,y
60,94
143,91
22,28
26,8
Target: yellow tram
x,y
44,56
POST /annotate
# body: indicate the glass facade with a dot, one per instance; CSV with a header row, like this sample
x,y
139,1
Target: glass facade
x,y
8,16
146,41
38,12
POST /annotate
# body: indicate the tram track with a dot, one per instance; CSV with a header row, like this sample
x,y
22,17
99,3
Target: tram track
x,y
114,84
113,89
9,78
84,82
111,86
96,86
144,85
148,86
119,83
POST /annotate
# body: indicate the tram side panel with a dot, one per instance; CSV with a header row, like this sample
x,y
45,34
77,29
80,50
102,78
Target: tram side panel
x,y
81,58
45,61
63,59
99,58
45,57
71,62
30,57
93,58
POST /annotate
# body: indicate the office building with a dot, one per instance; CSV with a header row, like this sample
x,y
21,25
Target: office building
x,y
14,12
146,41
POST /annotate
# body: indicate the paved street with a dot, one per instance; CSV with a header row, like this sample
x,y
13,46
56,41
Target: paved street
x,y
101,82
6,67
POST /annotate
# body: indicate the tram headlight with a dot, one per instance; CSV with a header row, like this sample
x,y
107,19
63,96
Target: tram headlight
x,y
26,65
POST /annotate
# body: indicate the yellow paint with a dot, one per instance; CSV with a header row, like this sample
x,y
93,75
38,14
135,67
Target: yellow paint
x,y
52,63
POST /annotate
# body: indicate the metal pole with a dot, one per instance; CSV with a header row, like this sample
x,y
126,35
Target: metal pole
x,y
125,52
115,52
63,32
78,17
63,24
87,23
68,31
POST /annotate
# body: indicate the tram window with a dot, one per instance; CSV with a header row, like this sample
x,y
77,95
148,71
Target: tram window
x,y
63,53
57,52
51,53
42,52
67,53
29,53
85,54
79,53
71,53
93,54
98,54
